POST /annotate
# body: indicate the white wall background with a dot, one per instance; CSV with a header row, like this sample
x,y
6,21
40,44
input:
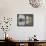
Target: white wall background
x,y
10,8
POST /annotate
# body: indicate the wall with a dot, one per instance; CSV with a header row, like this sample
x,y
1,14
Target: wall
x,y
10,8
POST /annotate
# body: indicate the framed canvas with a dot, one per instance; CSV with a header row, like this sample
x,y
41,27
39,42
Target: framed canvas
x,y
24,19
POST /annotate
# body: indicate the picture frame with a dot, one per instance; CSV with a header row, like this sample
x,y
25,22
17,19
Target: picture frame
x,y
24,19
